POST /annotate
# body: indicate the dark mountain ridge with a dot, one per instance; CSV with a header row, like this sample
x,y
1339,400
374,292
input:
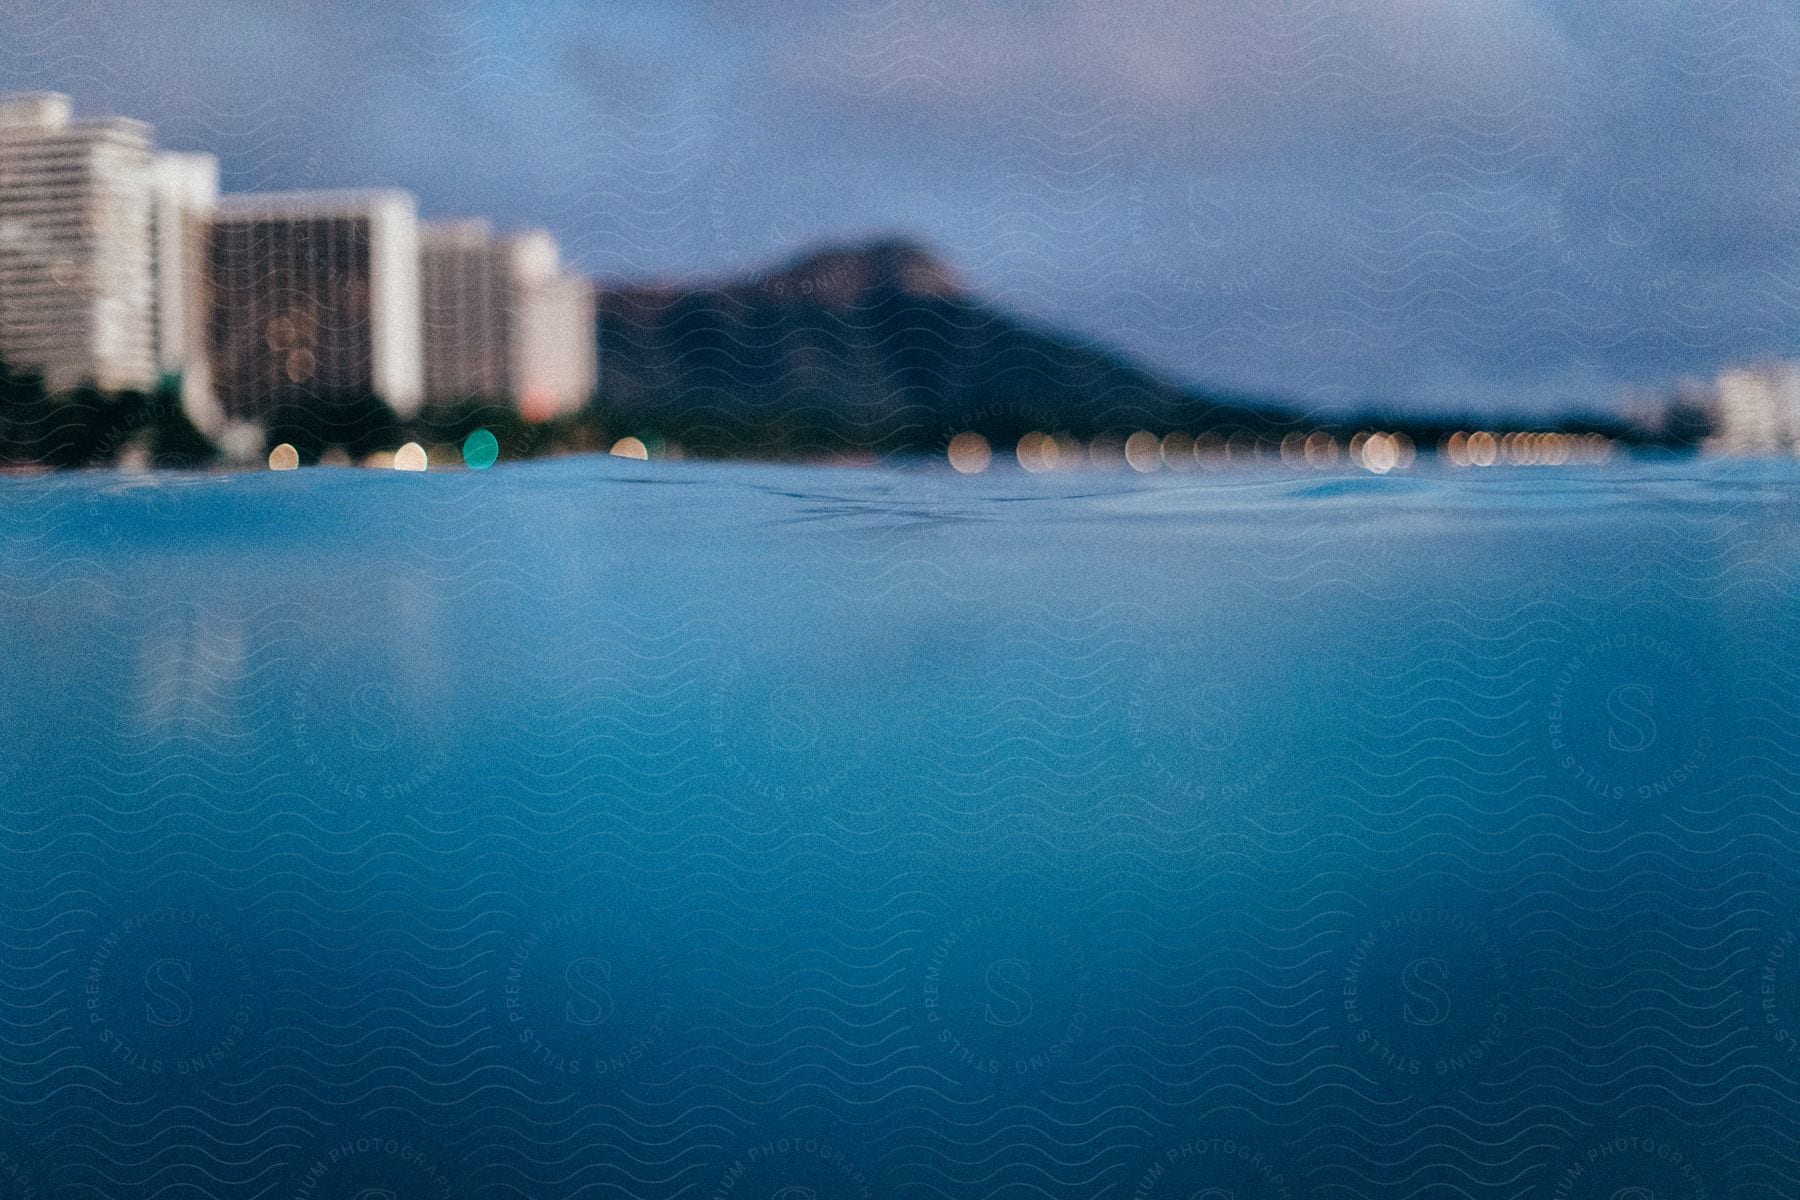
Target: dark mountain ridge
x,y
878,349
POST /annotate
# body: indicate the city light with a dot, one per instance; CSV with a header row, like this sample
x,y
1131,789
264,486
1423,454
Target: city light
x,y
1321,451
480,450
1036,452
969,453
1377,452
1178,451
1485,449
1143,452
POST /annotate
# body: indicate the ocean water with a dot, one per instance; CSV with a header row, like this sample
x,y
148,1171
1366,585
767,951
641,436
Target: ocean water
x,y
611,829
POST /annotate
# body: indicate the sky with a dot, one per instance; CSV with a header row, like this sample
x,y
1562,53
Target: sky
x,y
1513,206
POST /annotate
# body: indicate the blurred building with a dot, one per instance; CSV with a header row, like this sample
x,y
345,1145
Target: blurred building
x,y
314,295
186,191
1756,410
469,297
502,320
76,257
558,348
123,267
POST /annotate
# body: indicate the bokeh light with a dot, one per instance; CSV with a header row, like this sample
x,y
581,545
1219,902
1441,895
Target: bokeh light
x,y
969,453
1143,451
1036,452
480,450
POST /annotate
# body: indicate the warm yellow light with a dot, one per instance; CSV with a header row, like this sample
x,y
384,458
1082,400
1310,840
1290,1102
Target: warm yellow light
x,y
1105,451
1036,452
278,334
630,447
1380,453
1321,450
300,365
284,458
970,453
1484,451
410,457
1143,451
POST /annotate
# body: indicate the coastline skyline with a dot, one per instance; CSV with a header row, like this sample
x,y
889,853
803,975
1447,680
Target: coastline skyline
x,y
316,322
1517,224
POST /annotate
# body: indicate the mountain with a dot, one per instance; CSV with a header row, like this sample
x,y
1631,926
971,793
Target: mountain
x,y
875,348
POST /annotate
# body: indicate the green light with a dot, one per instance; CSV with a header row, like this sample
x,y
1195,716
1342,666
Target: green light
x,y
480,450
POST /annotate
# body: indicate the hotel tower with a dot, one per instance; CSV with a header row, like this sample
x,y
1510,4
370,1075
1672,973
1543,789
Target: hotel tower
x,y
315,295
76,257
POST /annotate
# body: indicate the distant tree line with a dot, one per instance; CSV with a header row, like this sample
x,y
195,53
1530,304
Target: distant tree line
x,y
89,427
701,408
359,424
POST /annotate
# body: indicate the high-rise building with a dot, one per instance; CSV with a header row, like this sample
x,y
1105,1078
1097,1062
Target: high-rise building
x,y
502,320
470,297
1757,410
186,191
557,347
314,295
76,260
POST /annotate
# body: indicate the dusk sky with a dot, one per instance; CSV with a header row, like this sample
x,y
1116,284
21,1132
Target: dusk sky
x,y
1447,204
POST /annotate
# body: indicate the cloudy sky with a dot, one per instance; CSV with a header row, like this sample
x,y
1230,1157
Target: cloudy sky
x,y
1447,204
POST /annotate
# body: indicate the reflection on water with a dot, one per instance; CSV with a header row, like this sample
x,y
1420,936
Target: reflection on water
x,y
189,670
616,826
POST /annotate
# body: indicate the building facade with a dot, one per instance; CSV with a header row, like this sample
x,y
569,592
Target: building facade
x,y
314,295
186,192
470,297
502,321
77,294
557,357
124,267
1757,410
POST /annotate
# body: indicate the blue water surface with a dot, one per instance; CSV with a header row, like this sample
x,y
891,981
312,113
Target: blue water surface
x,y
613,829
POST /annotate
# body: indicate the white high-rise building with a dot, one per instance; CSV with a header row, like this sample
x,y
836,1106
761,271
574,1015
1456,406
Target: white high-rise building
x,y
557,356
76,259
503,322
315,295
187,189
1757,410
